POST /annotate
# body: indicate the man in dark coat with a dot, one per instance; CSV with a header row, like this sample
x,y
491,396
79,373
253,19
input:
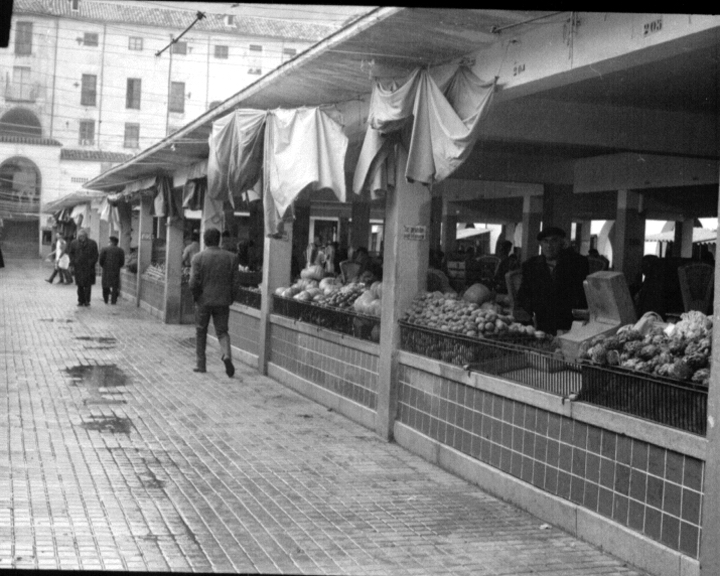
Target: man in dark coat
x,y
552,283
214,282
83,254
112,258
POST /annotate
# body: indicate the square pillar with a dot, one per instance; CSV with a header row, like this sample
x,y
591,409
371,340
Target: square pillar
x,y
173,269
436,218
405,264
710,538
449,228
277,257
532,217
125,223
584,236
360,226
557,209
145,237
683,241
301,235
629,240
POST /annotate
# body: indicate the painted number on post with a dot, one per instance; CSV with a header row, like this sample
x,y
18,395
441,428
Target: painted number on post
x,y
652,27
518,69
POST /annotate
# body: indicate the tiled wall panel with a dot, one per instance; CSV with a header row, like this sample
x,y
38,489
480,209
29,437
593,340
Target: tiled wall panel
x,y
245,332
152,292
649,489
340,368
128,284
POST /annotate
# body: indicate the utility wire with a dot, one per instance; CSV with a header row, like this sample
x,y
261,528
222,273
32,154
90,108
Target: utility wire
x,y
199,16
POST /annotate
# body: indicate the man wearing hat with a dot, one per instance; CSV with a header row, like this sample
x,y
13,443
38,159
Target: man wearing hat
x,y
552,283
112,258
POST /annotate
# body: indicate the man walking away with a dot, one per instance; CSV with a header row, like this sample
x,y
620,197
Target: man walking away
x,y
83,254
214,281
112,258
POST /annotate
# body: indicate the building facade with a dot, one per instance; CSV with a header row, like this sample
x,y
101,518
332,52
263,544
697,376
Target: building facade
x,y
85,85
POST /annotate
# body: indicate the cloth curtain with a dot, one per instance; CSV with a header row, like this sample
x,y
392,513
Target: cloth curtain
x,y
80,213
289,150
438,124
194,194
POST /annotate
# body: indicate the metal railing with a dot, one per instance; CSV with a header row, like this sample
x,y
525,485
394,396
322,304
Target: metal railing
x,y
343,321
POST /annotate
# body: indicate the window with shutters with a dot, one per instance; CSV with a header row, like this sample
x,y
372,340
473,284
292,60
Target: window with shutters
x,y
86,136
132,135
90,39
255,59
88,90
135,43
132,96
21,88
23,38
177,97
221,52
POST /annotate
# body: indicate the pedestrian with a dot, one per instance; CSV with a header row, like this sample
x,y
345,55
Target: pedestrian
x,y
112,258
214,282
83,252
61,261
228,242
552,283
191,249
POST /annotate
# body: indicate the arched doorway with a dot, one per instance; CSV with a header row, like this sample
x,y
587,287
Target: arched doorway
x,y
20,187
20,122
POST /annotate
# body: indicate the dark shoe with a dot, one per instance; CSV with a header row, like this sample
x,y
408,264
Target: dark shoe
x,y
106,301
81,303
48,281
113,303
229,368
198,369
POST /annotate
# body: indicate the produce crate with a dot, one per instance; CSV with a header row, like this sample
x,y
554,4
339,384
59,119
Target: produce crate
x,y
670,402
251,298
343,321
522,359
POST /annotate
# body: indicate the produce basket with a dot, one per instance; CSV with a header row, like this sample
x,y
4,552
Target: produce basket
x,y
343,321
522,359
247,297
670,402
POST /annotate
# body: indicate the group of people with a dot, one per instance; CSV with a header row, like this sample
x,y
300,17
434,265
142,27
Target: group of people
x,y
78,259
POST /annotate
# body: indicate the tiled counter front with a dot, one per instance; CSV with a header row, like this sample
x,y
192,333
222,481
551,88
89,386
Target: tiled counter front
x,y
615,467
245,332
152,295
128,284
338,371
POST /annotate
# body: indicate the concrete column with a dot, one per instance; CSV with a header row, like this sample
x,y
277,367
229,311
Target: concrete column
x,y
557,207
173,269
344,233
683,241
449,228
276,272
436,219
584,237
629,240
145,231
532,216
405,263
360,227
710,539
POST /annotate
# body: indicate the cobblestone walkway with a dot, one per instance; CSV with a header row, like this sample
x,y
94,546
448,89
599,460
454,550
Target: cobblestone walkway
x,y
114,455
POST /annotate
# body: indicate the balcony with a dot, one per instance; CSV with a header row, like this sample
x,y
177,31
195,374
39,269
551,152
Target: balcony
x,y
22,92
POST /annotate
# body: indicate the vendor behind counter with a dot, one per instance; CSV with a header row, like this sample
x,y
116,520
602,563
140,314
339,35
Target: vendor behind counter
x,y
657,288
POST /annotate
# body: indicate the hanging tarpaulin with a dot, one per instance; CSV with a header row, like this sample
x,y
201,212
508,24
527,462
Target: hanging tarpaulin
x,y
236,153
442,123
292,150
158,205
194,194
305,150
79,213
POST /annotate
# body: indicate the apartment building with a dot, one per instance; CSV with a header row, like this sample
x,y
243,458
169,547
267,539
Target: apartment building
x,y
85,84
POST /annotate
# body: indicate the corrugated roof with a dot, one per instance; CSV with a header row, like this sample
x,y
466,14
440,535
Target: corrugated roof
x,y
29,140
175,19
93,155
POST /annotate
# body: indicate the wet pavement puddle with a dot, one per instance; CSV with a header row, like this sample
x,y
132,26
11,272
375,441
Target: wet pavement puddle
x,y
100,382
112,424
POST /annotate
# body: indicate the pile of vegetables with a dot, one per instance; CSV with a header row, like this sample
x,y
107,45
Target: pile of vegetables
x,y
450,313
155,271
680,351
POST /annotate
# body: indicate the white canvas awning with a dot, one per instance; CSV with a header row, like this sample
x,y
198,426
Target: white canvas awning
x,y
700,236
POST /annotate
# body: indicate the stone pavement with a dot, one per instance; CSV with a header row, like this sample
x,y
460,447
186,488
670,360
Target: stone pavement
x,y
115,455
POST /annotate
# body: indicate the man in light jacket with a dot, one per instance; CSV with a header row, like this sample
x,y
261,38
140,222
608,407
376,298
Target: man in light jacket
x,y
214,281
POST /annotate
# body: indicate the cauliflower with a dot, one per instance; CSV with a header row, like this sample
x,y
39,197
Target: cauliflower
x,y
702,376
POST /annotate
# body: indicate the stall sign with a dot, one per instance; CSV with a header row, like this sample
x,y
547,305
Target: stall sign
x,y
415,233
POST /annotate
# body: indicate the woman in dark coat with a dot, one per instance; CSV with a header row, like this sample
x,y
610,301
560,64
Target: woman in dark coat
x,y
112,258
83,254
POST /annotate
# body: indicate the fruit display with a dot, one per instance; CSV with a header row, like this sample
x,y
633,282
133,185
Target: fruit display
x,y
679,351
155,271
450,313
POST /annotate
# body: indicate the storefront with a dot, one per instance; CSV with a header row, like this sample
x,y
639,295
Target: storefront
x,y
582,126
